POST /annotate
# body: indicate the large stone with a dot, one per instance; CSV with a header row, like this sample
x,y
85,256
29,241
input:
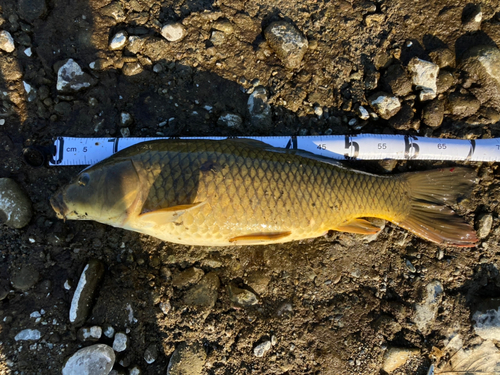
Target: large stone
x,y
93,360
173,32
71,77
24,277
187,360
433,113
15,206
482,64
81,304
424,76
205,293
289,44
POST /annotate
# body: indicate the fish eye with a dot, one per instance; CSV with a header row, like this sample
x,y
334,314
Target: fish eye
x,y
84,179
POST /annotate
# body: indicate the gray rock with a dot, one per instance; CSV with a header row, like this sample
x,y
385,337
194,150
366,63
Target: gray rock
x,y
443,57
135,370
433,113
114,10
173,32
259,109
482,64
462,105
118,41
24,278
231,120
93,360
151,354
241,297
187,277
205,293
486,319
93,333
6,42
28,335
385,105
30,10
63,109
187,360
397,81
120,342
261,349
81,303
71,77
444,81
483,225
132,68
15,206
424,76
425,312
289,44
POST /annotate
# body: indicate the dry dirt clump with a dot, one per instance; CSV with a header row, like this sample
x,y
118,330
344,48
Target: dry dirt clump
x,y
341,304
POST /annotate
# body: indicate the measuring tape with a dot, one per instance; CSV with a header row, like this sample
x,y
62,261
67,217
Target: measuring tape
x,y
86,151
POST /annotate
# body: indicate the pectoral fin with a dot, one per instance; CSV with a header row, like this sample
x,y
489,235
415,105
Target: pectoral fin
x,y
358,226
168,214
256,238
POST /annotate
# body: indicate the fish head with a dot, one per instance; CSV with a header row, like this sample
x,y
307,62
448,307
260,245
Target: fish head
x,y
105,192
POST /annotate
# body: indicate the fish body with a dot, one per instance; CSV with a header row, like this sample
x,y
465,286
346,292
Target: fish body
x,y
235,192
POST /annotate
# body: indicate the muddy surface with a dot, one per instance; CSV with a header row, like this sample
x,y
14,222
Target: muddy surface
x,y
333,305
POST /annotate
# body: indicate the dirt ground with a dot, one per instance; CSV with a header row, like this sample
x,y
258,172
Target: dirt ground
x,y
333,305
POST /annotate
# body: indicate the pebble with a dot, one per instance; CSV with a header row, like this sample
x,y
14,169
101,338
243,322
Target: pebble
x,y
187,359
24,278
261,349
93,333
151,354
187,277
81,304
28,335
173,32
204,294
424,76
259,108
165,307
134,371
231,120
397,357
363,113
6,42
70,77
433,113
462,105
241,297
118,41
224,25
444,81
289,44
15,205
486,319
443,57
384,104
425,312
109,331
114,10
126,119
132,68
218,37
483,225
318,110
93,360
120,342
125,132
135,44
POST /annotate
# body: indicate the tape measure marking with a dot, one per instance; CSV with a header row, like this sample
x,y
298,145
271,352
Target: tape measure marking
x,y
87,151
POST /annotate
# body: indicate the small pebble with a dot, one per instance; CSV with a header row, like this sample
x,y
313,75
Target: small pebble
x,y
15,205
109,331
71,77
231,120
120,342
287,42
6,41
132,68
397,357
173,32
151,354
384,104
93,360
118,41
28,335
241,297
165,307
89,333
261,349
484,223
125,132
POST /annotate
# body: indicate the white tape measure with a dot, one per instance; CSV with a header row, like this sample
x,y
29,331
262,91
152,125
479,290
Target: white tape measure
x,y
87,151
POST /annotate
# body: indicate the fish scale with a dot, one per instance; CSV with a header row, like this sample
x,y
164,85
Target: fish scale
x,y
227,192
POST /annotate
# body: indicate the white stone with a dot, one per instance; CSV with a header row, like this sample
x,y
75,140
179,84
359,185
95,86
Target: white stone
x,y
125,118
28,334
261,349
258,107
363,113
118,41
165,307
424,76
2,121
231,120
6,41
94,332
35,314
386,106
109,331
487,324
28,52
135,371
397,357
69,77
425,312
92,360
120,342
67,285
173,32
27,87
73,311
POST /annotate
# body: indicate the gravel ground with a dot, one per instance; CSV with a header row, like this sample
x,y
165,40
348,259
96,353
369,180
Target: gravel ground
x,y
341,304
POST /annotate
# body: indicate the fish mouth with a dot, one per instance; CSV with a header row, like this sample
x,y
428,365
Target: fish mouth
x,y
58,205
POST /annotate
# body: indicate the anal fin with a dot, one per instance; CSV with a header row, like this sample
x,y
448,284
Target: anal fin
x,y
358,226
256,238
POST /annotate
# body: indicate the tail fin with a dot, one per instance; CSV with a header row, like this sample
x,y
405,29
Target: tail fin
x,y
429,217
